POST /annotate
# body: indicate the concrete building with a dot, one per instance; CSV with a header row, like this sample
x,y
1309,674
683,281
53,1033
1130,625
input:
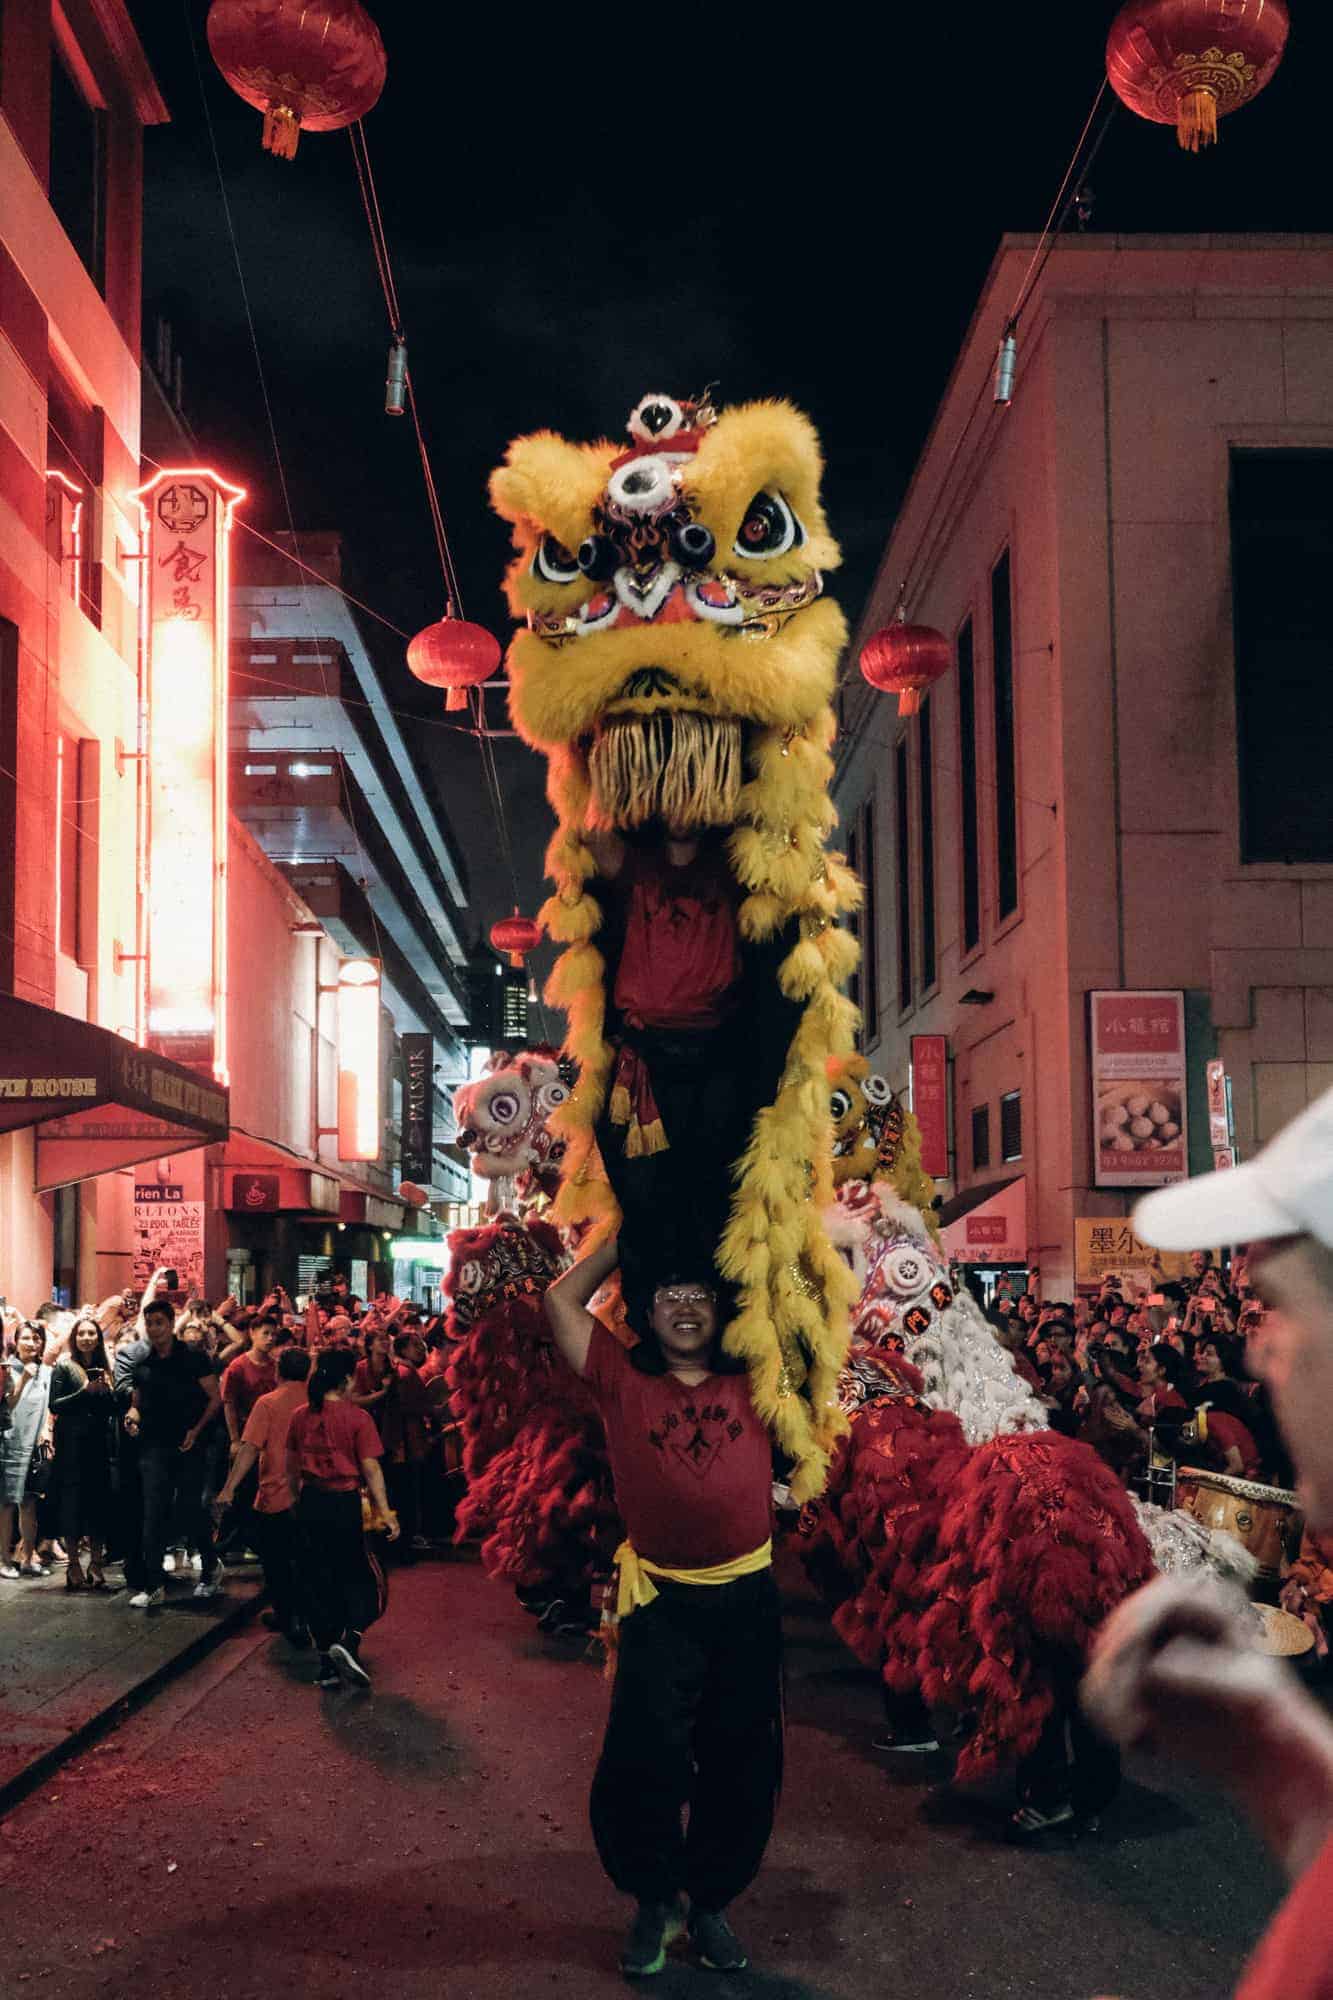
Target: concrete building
x,y
1123,783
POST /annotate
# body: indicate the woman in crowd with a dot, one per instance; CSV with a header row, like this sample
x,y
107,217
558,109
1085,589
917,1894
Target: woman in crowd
x,y
26,1415
332,1448
392,1391
83,1409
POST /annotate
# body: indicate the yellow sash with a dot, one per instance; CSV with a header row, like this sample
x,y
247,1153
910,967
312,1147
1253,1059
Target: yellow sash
x,y
635,1574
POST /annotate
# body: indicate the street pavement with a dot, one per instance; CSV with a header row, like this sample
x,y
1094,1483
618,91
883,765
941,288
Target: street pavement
x,y
244,1835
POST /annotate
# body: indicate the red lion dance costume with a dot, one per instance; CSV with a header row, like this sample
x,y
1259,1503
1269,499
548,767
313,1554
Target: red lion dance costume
x,y
534,1455
972,1551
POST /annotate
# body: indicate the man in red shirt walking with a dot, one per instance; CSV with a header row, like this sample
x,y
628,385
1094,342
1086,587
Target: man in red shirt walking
x,y
696,1711
263,1452
1175,1663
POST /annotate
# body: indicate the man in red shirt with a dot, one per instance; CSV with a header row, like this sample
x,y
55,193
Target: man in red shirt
x,y
244,1380
696,1711
263,1450
1176,1664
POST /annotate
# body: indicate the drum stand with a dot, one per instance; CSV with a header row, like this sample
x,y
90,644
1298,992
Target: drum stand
x,y
1157,1483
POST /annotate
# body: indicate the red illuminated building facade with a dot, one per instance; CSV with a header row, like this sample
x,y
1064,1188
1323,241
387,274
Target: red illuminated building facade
x,y
175,960
1121,786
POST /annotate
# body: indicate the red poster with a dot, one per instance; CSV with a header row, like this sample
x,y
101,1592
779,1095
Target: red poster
x,y
930,1101
986,1228
1138,1089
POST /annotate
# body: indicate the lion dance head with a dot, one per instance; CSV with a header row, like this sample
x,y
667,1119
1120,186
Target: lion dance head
x,y
676,665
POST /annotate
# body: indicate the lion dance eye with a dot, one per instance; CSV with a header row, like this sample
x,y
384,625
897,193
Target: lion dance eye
x,y
553,562
769,528
503,1108
876,1089
839,1104
598,558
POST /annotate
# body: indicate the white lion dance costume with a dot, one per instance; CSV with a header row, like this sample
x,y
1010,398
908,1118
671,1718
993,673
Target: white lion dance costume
x,y
973,1551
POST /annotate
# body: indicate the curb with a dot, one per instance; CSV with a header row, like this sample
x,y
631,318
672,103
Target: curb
x,y
48,1761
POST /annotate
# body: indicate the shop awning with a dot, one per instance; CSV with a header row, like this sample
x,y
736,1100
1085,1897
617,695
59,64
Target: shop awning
x,y
97,1101
988,1225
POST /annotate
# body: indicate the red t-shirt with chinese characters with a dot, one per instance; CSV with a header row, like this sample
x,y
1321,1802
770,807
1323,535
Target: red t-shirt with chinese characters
x,y
328,1445
244,1381
1294,1960
680,960
692,1465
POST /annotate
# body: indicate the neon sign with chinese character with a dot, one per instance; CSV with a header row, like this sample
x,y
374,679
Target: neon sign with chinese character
x,y
186,518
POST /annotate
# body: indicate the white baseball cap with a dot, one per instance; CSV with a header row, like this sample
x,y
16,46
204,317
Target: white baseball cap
x,y
1285,1190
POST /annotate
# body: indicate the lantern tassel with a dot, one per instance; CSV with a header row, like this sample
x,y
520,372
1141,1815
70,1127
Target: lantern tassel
x,y
456,699
282,131
1196,120
909,700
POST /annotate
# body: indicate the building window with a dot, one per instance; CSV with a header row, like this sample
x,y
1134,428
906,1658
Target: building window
x,y
1011,1125
903,862
980,1136
1006,775
73,474
1281,557
926,807
77,180
967,772
869,937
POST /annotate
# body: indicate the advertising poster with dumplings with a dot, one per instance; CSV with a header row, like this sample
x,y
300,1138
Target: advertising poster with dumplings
x,y
1139,1133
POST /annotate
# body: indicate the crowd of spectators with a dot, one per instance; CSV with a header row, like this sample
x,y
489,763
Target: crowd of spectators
x,y
121,1422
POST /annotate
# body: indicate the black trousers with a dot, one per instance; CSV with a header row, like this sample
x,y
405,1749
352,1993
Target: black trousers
x,y
129,1508
695,1725
1072,1764
338,1587
173,1501
275,1538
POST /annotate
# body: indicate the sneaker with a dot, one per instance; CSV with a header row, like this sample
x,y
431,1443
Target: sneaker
x,y
909,1744
207,1586
10,1572
345,1660
655,1926
716,1942
36,1568
148,1600
419,1542
196,1561
169,1562
328,1675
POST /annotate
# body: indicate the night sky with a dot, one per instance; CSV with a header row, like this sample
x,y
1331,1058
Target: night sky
x,y
588,204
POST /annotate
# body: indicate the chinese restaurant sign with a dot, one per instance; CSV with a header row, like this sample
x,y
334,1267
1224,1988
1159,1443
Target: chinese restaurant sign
x,y
1105,1246
1138,1089
930,1101
186,519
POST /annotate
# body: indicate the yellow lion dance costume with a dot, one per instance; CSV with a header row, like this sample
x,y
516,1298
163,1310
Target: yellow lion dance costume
x,y
678,664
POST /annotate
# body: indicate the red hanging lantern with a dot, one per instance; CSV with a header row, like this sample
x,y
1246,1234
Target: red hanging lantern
x,y
517,936
1188,62
905,660
312,67
455,655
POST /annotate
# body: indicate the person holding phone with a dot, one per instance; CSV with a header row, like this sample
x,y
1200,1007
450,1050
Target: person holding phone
x,y
84,1409
25,1389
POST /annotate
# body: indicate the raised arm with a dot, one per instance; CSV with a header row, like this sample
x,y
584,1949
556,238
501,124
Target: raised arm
x,y
567,1302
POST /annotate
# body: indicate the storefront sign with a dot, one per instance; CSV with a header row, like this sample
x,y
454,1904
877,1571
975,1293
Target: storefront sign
x,y
256,1194
417,1149
993,1225
1139,1131
930,1101
186,519
1105,1246
168,1233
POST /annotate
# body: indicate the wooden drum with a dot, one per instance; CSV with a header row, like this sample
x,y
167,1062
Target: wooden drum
x,y
1266,1519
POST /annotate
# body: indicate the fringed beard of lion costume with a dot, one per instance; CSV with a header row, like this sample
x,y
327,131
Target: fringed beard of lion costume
x,y
679,656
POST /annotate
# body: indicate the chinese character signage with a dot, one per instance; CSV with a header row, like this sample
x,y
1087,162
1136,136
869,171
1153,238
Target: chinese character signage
x,y
1139,1132
418,1134
930,1101
1105,1246
186,521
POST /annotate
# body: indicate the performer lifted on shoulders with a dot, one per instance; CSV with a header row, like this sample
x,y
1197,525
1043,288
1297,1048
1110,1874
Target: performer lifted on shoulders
x,y
696,1710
